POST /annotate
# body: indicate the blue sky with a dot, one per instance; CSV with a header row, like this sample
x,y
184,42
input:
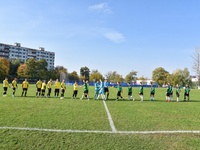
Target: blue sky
x,y
107,35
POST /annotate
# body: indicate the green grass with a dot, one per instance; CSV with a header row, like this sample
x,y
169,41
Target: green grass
x,y
54,113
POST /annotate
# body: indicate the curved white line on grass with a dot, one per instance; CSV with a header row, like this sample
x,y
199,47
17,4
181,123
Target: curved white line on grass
x,y
108,132
110,118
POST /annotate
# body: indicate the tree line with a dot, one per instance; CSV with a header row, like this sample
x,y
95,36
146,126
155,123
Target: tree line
x,y
37,69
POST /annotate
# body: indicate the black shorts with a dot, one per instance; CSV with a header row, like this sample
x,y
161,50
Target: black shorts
x,y
75,92
14,89
106,89
25,89
141,93
49,90
38,89
187,94
57,90
129,93
177,94
168,94
152,93
5,88
63,90
85,92
43,91
119,93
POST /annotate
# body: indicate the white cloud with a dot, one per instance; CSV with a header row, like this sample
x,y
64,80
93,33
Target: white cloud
x,y
115,36
102,7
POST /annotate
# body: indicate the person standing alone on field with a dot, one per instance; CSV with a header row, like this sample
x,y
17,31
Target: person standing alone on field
x,y
187,92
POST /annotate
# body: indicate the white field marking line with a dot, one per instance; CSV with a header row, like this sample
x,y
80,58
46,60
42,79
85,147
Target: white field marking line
x,y
112,125
108,132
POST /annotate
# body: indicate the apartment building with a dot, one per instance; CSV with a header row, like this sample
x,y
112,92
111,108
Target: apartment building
x,y
23,53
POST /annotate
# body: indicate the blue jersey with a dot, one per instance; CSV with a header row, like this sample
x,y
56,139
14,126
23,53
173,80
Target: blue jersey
x,y
97,86
106,84
101,88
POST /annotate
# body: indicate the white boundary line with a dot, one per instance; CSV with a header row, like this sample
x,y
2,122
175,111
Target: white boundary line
x,y
112,125
106,132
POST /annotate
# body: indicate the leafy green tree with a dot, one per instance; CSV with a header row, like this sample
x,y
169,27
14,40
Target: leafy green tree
x,y
160,75
84,73
95,75
111,76
181,77
41,69
186,78
4,68
73,76
114,76
14,64
132,76
118,78
30,69
58,70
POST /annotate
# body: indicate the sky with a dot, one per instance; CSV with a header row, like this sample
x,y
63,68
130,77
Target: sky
x,y
107,35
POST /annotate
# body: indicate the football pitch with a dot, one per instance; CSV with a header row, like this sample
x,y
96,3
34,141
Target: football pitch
x,y
52,123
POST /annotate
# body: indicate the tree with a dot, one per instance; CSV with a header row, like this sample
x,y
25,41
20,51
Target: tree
x,y
60,70
142,78
95,75
196,63
84,73
30,69
186,78
118,78
114,76
160,75
41,69
73,76
4,68
181,77
14,64
21,71
131,76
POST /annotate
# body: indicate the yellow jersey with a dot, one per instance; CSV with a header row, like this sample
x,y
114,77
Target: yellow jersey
x,y
25,84
75,85
14,84
44,85
39,84
57,85
5,83
49,84
63,86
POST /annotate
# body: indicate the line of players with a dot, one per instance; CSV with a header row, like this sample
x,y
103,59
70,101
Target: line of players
x,y
40,88
101,89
